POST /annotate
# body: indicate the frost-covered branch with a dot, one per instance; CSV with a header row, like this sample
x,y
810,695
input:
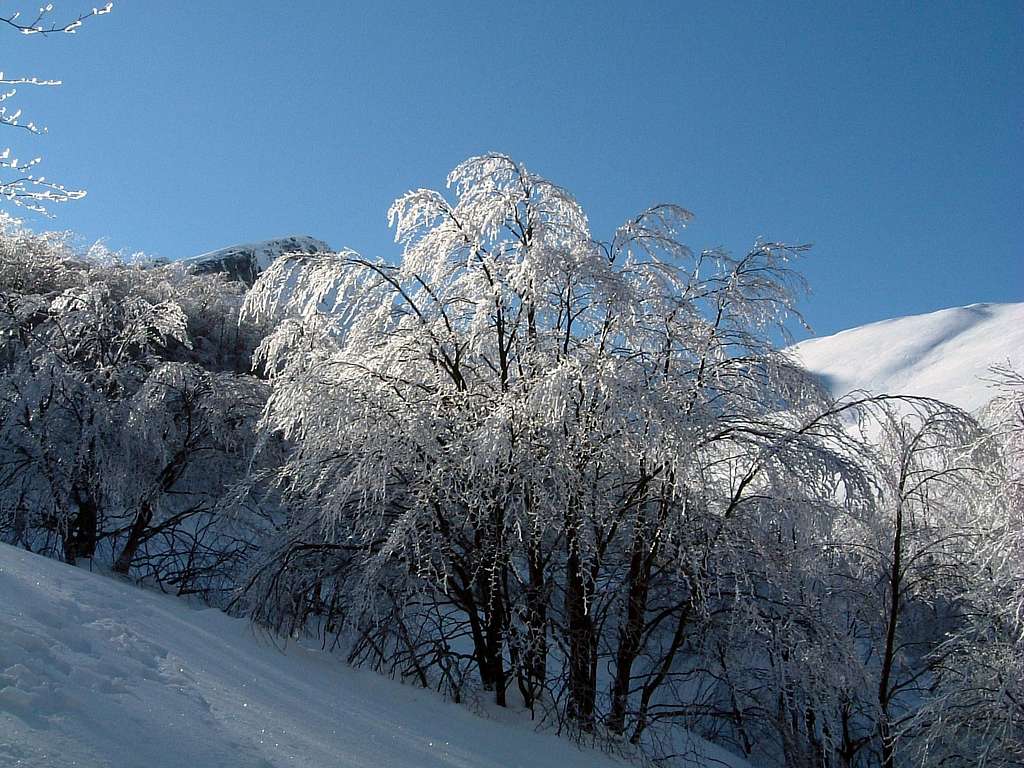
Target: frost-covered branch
x,y
45,20
20,184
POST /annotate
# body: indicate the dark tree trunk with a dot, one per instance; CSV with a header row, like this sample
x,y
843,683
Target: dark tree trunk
x,y
480,649
630,632
135,538
495,635
533,675
889,651
664,667
80,541
582,647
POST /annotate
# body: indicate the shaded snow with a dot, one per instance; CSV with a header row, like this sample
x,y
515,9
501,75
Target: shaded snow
x,y
944,354
95,672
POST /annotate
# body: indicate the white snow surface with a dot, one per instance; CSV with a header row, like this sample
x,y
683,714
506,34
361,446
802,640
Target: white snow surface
x,y
945,354
95,672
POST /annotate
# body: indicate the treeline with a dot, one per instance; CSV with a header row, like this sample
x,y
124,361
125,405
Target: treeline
x,y
573,476
127,410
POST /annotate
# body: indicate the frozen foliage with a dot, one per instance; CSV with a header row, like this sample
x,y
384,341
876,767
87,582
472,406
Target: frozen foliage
x,y
533,470
20,182
975,714
125,408
577,474
962,532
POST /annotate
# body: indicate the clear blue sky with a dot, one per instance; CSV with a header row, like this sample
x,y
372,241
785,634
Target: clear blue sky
x,y
890,135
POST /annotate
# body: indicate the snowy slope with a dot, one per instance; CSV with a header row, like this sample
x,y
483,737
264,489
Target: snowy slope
x,y
944,354
96,672
246,261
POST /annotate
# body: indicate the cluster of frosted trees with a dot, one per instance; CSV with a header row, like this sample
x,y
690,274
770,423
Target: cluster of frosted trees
x,y
578,475
125,402
527,466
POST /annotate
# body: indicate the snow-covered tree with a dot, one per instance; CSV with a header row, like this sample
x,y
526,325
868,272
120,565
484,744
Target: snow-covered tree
x,y
913,557
974,713
564,473
73,345
522,453
122,413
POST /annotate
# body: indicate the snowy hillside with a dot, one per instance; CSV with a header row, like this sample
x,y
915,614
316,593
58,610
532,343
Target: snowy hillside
x,y
246,261
944,354
95,672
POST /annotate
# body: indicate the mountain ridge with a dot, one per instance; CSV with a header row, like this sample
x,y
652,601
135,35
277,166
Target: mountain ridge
x,y
245,261
946,354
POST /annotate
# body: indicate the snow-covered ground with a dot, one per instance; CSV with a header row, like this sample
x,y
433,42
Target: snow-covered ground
x,y
97,672
944,354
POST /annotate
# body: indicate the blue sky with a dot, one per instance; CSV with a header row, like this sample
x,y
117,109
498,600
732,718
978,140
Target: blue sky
x,y
889,135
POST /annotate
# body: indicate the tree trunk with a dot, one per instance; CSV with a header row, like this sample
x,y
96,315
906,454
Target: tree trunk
x,y
663,669
582,647
638,585
135,537
80,541
889,651
495,636
533,675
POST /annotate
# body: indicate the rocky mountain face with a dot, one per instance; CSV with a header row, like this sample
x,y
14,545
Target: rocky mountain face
x,y
246,261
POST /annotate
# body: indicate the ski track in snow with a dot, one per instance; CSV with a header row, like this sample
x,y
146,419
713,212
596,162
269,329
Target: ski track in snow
x,y
95,672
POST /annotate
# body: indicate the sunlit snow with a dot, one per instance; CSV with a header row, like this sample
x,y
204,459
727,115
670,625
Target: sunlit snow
x,y
945,354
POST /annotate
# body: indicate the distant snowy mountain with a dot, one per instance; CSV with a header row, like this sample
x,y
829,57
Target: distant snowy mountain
x,y
944,354
246,261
